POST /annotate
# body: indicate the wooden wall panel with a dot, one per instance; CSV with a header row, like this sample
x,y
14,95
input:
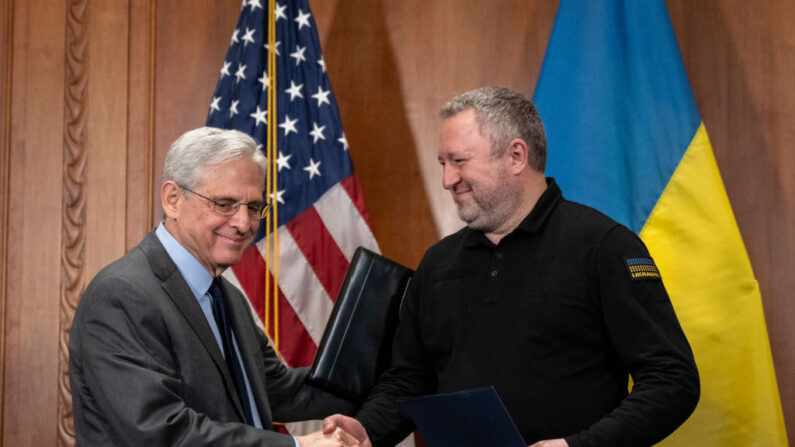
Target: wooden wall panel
x,y
140,121
192,37
106,128
6,55
66,148
31,315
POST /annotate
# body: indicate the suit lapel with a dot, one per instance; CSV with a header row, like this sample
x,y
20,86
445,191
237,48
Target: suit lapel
x,y
179,292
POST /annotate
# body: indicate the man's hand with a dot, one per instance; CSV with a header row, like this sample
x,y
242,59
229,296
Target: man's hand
x,y
350,425
334,438
551,443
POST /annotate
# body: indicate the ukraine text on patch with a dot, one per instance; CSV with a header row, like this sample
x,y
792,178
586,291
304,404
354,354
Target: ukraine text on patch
x,y
642,268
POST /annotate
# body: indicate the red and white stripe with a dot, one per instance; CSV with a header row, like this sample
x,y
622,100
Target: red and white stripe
x,y
315,250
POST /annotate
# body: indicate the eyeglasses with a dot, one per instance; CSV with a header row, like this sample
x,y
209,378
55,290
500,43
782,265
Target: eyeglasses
x,y
228,207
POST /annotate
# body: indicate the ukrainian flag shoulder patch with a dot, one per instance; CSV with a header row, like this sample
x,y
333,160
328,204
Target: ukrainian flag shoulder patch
x,y
642,268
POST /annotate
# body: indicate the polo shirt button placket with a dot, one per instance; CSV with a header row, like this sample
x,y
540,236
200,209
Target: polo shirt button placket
x,y
494,271
496,265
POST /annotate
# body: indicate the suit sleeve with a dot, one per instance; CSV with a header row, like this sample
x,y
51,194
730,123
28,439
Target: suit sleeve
x,y
648,340
126,377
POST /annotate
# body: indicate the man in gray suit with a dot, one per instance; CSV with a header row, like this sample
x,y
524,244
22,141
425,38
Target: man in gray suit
x,y
163,351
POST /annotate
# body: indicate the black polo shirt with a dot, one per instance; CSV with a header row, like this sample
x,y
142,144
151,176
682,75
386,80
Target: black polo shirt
x,y
556,317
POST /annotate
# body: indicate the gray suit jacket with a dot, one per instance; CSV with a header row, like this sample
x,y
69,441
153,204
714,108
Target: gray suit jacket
x,y
145,369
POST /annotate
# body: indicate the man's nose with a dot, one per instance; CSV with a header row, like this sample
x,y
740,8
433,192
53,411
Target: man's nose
x,y
450,176
241,220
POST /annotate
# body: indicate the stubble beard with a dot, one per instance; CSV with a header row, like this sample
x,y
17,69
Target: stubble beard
x,y
488,210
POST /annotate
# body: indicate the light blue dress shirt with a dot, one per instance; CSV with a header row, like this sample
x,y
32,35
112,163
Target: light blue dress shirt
x,y
199,280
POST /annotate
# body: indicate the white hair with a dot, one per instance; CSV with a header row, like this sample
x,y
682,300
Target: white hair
x,y
206,146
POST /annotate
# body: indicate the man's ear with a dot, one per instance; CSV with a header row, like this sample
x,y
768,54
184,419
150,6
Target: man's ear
x,y
171,196
518,153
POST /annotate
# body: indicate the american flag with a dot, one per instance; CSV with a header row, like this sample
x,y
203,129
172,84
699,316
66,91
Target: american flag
x,y
322,218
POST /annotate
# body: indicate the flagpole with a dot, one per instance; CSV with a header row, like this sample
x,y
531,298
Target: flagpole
x,y
272,295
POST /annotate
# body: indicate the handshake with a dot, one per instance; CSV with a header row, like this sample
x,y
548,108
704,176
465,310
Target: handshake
x,y
338,431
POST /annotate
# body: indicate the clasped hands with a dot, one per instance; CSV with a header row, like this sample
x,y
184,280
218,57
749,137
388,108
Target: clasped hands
x,y
333,437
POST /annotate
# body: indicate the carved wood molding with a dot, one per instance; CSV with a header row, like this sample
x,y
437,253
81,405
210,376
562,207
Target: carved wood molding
x,y
73,201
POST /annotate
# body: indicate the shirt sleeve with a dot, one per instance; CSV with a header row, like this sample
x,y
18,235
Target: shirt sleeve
x,y
648,340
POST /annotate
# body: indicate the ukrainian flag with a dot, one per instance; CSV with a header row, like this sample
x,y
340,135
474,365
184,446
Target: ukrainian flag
x,y
625,137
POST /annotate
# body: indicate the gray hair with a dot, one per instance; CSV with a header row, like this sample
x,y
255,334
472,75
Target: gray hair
x,y
503,114
205,146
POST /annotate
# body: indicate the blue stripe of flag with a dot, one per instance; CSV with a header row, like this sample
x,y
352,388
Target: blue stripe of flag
x,y
616,103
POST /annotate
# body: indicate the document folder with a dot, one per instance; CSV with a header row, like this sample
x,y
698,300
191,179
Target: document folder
x,y
471,418
357,343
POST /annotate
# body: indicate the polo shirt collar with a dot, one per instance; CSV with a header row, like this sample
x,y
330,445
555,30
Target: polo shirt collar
x,y
530,224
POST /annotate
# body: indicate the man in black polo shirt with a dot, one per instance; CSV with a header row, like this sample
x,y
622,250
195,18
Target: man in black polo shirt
x,y
550,301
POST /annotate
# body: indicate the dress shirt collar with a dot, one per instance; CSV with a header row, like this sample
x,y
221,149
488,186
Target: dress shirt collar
x,y
197,277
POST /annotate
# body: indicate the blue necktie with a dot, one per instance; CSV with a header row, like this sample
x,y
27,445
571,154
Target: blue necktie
x,y
232,361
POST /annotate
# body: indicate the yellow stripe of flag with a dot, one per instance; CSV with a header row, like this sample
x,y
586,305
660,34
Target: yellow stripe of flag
x,y
719,306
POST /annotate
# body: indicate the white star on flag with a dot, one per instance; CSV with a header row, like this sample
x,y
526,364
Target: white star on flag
x,y
259,116
241,73
317,132
283,161
214,107
279,12
294,91
322,96
248,37
275,47
302,20
225,69
279,196
298,54
312,169
288,125
344,141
